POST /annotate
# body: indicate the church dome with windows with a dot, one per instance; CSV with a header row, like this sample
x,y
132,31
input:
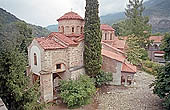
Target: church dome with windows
x,y
71,16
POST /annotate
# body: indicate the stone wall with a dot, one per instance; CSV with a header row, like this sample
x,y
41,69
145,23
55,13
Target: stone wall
x,y
53,57
46,85
75,74
76,55
113,66
67,25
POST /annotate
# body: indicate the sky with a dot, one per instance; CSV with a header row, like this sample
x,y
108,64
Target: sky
x,y
46,12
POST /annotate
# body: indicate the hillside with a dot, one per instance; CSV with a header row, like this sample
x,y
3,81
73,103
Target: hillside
x,y
8,25
157,10
52,28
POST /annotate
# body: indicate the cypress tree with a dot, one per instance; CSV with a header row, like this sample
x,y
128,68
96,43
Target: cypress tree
x,y
92,33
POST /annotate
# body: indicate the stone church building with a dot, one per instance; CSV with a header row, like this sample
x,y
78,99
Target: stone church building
x,y
59,56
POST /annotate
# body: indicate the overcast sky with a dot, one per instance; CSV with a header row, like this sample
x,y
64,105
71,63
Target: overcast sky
x,y
45,12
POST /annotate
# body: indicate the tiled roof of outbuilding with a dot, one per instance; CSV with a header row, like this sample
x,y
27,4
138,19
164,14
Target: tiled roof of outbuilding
x,y
113,55
129,68
157,39
106,27
70,16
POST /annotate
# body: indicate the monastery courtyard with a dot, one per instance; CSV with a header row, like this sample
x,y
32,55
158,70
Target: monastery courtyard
x,y
139,97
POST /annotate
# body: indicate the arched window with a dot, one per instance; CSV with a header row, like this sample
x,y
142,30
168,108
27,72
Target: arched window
x,y
72,30
105,36
35,59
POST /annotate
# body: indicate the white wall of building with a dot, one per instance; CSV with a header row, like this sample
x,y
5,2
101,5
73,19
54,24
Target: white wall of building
x,y
35,68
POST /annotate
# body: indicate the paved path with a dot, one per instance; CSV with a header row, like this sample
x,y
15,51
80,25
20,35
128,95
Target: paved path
x,y
139,97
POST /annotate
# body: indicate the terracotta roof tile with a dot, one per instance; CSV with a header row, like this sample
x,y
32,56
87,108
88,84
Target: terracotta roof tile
x,y
49,44
62,38
160,52
70,16
113,55
157,39
129,68
114,48
106,27
120,44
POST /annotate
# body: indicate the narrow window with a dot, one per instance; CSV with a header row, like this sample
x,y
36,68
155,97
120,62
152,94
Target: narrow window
x,y
35,59
105,36
72,29
81,29
111,36
62,29
58,66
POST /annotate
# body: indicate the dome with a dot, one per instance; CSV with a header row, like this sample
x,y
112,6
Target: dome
x,y
70,16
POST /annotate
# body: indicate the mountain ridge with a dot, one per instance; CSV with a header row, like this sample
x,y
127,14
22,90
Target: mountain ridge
x,y
157,10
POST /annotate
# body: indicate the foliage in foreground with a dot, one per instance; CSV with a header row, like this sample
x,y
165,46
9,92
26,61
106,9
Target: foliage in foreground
x,y
103,78
162,85
162,82
15,88
76,93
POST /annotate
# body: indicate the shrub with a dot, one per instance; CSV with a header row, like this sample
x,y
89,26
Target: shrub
x,y
151,67
103,78
76,93
162,85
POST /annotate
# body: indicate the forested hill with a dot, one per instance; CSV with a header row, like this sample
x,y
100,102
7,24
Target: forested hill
x,y
8,26
157,10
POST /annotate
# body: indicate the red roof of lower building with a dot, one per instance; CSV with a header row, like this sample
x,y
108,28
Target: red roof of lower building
x,y
117,43
159,52
49,44
106,27
113,55
71,16
129,68
156,39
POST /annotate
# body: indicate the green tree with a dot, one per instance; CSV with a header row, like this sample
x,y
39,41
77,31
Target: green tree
x,y
137,23
162,82
121,28
166,46
92,33
15,89
139,32
25,36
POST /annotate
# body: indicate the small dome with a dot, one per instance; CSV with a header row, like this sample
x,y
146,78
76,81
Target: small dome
x,y
70,16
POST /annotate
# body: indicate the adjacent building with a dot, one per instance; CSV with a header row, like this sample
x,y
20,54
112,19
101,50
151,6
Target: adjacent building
x,y
154,52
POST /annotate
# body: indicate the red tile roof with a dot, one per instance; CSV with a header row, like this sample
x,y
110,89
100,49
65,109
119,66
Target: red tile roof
x,y
156,39
114,48
119,44
63,38
113,55
106,27
71,16
129,68
49,44
159,52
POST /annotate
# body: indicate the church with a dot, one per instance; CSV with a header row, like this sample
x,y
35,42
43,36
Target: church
x,y
59,56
